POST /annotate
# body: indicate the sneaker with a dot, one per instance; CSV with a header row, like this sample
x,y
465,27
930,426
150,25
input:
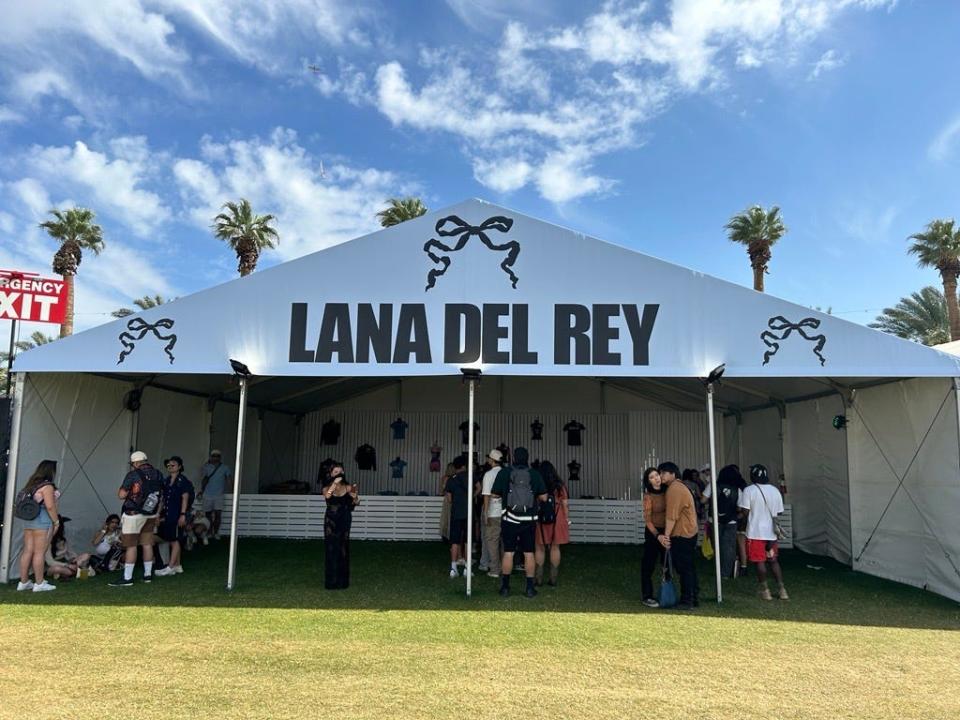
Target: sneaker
x,y
28,585
454,573
166,572
122,583
783,593
148,578
206,540
651,603
531,592
178,569
504,592
765,594
493,574
44,587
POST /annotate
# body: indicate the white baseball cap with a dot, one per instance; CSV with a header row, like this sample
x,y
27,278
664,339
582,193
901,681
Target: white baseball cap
x,y
138,456
216,453
495,455
705,468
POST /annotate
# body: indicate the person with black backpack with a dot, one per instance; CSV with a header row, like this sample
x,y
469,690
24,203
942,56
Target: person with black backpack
x,y
520,489
141,492
36,506
729,484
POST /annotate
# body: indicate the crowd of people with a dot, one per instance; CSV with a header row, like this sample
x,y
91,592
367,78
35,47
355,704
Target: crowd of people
x,y
675,508
519,507
158,516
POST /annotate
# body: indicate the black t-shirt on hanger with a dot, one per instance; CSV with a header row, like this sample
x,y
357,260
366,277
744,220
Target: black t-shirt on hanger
x,y
330,432
366,457
536,430
573,430
574,467
463,432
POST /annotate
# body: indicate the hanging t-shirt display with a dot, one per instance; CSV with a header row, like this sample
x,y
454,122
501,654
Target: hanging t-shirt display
x,y
573,430
398,465
574,467
330,432
536,430
399,427
366,457
463,432
435,458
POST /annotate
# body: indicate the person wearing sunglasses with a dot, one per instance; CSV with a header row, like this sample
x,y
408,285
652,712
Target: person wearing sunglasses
x,y
178,495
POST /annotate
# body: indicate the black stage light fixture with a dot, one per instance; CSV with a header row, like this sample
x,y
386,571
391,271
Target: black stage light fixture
x,y
839,422
471,374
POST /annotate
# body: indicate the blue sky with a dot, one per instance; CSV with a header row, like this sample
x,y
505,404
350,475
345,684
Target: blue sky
x,y
647,124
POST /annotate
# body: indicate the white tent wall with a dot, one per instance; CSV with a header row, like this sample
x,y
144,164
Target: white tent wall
x,y
817,483
172,423
760,431
223,437
909,533
278,449
617,444
91,462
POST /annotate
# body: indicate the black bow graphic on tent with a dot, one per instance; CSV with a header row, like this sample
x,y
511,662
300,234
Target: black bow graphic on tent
x,y
783,326
463,231
137,328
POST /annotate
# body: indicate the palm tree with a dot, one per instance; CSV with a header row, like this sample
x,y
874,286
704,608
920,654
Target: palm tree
x,y
759,230
247,234
76,231
144,303
921,317
939,247
36,338
400,210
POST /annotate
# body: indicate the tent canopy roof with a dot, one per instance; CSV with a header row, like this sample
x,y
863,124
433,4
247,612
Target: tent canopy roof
x,y
479,285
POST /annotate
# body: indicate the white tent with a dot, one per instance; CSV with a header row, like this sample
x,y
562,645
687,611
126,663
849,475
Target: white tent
x,y
384,323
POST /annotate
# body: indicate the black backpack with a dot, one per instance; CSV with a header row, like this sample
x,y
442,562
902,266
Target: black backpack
x,y
151,488
548,510
520,500
726,503
25,507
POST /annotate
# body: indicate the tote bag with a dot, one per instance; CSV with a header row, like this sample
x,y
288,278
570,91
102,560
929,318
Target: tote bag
x,y
668,593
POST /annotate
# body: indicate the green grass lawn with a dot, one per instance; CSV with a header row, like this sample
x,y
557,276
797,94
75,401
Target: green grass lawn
x,y
404,642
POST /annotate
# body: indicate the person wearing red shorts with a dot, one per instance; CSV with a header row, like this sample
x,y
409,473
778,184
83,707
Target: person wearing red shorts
x,y
761,503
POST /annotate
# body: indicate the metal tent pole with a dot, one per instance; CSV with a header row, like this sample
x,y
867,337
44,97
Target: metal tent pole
x,y
469,553
713,491
237,471
6,543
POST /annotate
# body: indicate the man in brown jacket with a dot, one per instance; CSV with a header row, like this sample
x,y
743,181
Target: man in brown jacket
x,y
680,535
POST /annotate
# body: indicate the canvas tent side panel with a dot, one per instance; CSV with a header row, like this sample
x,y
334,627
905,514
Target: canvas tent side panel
x,y
818,488
172,424
905,483
79,421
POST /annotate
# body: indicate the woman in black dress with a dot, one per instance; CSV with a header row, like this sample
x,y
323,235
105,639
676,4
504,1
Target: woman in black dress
x,y
341,499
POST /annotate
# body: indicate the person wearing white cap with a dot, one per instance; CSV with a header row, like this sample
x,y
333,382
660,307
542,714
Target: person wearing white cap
x,y
140,492
492,509
213,485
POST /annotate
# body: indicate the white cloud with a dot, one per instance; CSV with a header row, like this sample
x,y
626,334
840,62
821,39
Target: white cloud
x,y
8,115
31,193
944,144
830,60
547,104
109,181
280,177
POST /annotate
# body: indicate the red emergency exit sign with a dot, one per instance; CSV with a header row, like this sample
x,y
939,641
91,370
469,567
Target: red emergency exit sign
x,y
27,296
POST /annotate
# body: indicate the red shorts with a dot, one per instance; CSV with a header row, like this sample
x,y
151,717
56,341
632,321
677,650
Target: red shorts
x,y
757,550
